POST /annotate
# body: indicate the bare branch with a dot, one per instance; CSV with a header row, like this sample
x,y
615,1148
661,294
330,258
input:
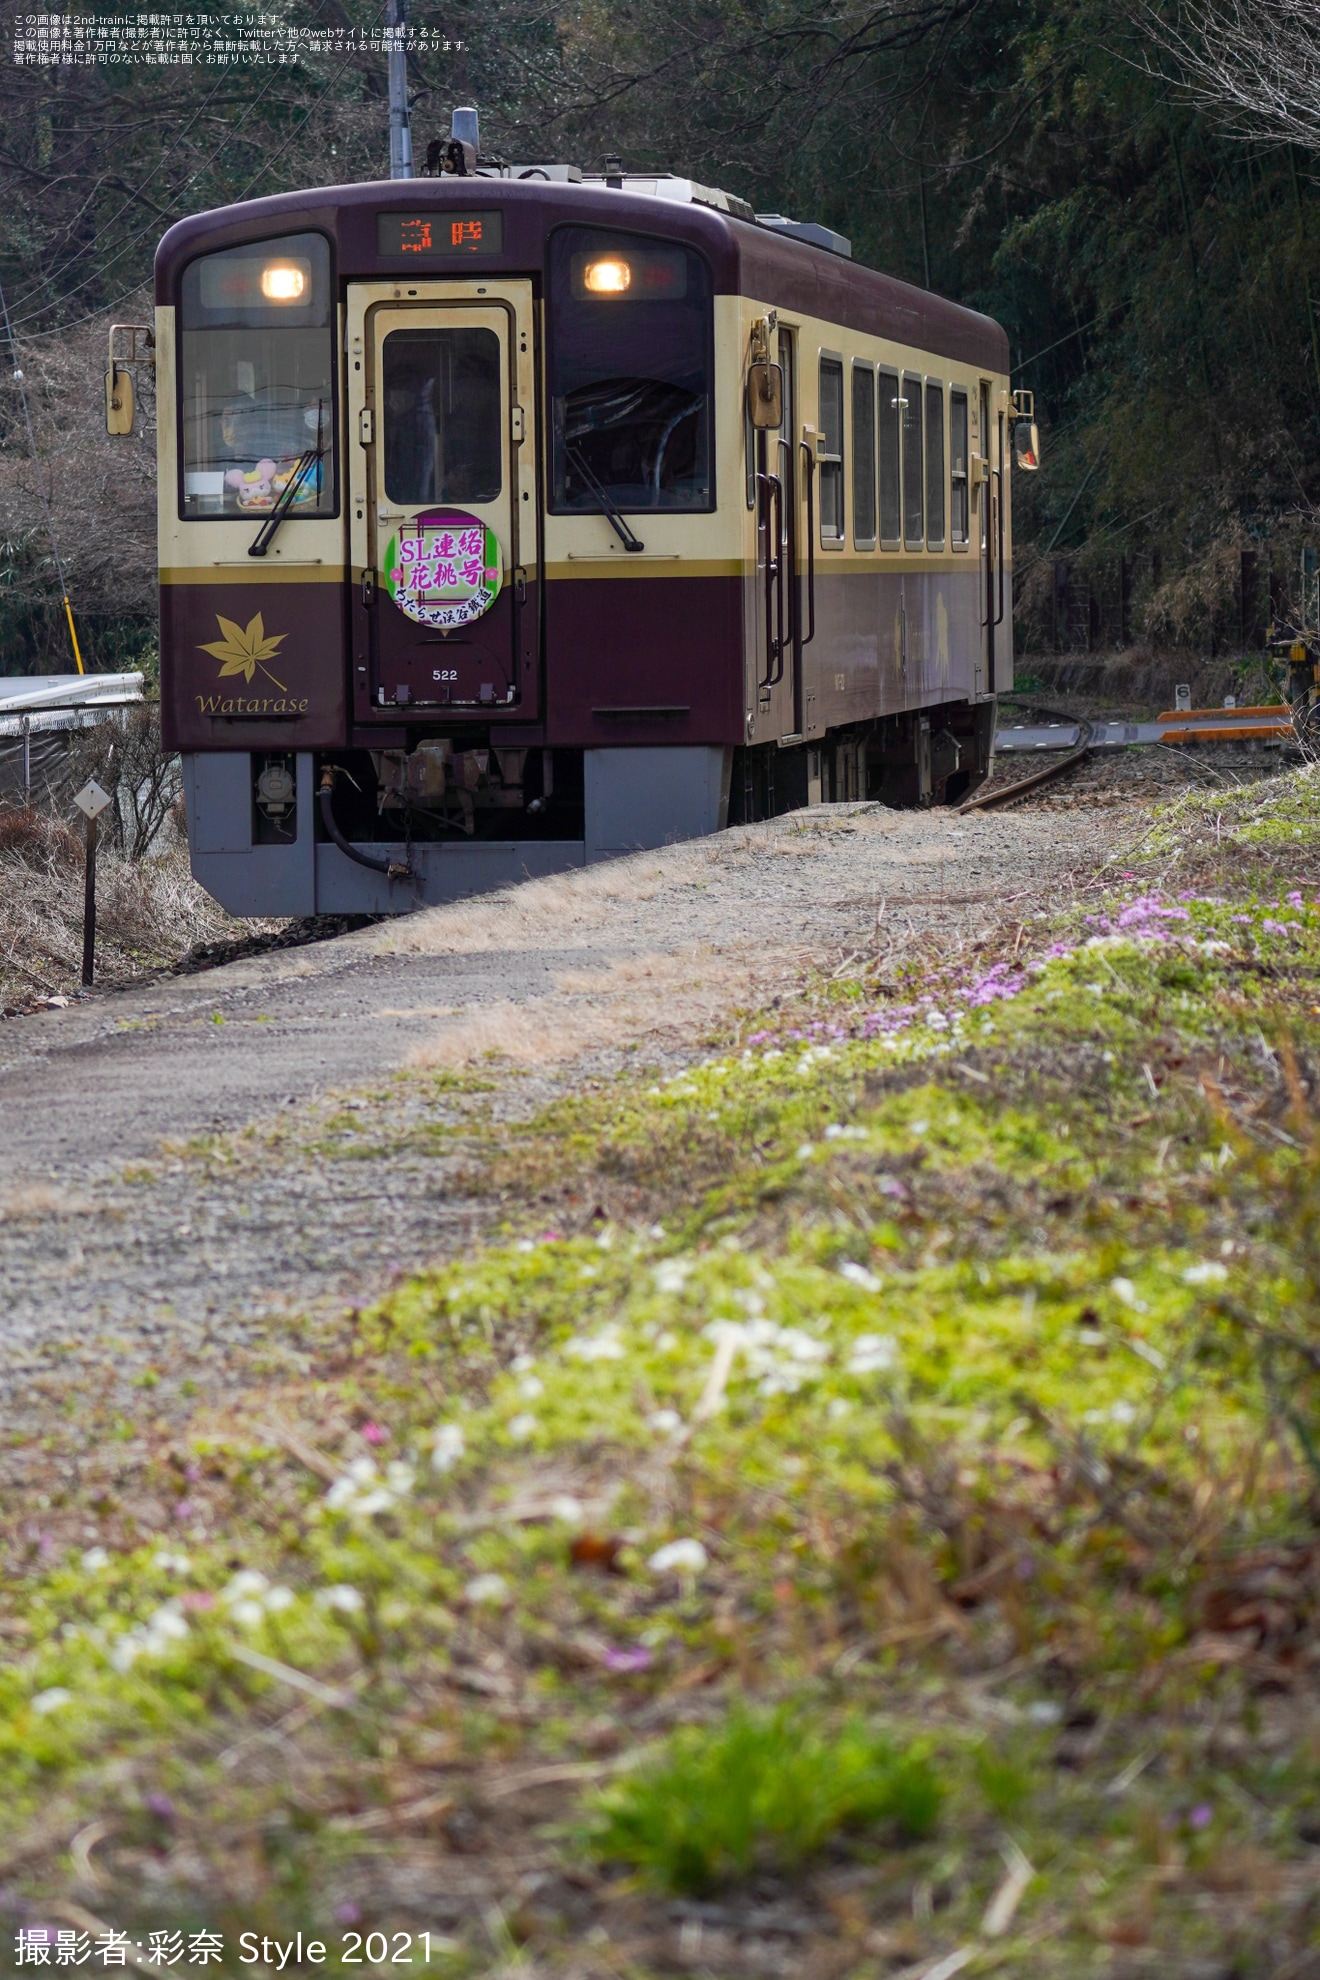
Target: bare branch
x,y
1254,65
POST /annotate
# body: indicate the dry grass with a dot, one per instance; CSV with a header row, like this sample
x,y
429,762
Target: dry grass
x,y
148,913
557,908
646,997
562,907
37,1200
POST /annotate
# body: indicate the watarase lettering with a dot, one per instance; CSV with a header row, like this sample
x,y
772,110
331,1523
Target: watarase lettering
x,y
252,707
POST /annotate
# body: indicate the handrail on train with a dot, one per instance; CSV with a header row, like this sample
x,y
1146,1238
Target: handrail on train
x,y
811,542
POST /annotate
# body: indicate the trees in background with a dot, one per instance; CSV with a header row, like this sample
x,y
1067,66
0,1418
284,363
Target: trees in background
x,y
1149,249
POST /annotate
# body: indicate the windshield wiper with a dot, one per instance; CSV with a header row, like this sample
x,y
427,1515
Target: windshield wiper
x,y
288,494
607,506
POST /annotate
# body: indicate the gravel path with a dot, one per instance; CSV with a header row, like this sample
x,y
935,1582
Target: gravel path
x,y
181,1166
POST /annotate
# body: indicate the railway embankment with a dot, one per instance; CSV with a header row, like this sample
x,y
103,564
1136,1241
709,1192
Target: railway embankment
x,y
846,1508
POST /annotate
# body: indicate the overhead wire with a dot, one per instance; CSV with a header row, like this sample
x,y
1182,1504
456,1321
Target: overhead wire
x,y
118,254
98,273
136,193
21,383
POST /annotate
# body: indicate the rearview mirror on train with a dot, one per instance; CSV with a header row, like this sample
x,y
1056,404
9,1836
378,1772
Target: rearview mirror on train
x,y
119,402
1026,445
120,397
765,394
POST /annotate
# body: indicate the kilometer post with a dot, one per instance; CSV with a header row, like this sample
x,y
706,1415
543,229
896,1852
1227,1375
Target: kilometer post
x,y
91,801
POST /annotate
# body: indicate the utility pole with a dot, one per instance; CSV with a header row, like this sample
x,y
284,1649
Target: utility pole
x,y
396,23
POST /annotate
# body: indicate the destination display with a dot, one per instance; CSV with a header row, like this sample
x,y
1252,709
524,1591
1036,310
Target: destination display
x,y
440,236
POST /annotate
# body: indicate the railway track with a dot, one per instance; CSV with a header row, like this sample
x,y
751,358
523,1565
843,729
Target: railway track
x,y
1047,774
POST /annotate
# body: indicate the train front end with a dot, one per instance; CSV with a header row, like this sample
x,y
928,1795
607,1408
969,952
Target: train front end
x,y
446,599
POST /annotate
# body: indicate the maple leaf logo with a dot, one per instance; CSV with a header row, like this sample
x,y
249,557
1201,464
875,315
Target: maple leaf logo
x,y
244,649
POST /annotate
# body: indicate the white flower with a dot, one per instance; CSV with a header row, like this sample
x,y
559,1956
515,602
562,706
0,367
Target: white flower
x,y
522,1427
246,1582
126,1652
172,1563
362,1492
1208,1274
836,1133
248,1615
168,1624
872,1354
679,1557
858,1275
666,1422
521,1363
279,1598
446,1447
491,1588
339,1596
50,1701
801,1347
672,1274
840,1406
604,1346
1044,1712
805,1151
567,1510
531,1387
95,1559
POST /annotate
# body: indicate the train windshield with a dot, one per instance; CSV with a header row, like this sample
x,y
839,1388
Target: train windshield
x,y
630,373
256,356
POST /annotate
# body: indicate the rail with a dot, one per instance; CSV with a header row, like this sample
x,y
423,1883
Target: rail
x,y
1008,792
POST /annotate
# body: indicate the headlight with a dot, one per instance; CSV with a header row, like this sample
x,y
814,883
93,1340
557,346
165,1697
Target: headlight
x,y
607,278
283,281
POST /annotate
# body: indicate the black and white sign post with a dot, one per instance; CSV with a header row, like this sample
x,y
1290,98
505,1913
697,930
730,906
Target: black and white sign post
x,y
91,801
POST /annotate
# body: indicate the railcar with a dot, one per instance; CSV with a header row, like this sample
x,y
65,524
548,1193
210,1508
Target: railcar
x,y
511,519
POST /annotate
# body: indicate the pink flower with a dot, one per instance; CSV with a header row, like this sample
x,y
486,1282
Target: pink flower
x,y
627,1661
372,1433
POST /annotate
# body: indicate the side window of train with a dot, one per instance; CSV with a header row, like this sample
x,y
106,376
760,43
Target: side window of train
x,y
631,369
863,454
829,453
914,512
959,516
891,487
934,467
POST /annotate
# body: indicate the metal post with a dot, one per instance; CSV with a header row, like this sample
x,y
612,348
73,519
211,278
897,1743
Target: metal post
x,y
89,904
396,62
27,760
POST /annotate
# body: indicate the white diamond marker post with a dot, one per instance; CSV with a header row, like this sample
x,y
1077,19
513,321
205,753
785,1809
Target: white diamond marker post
x,y
91,801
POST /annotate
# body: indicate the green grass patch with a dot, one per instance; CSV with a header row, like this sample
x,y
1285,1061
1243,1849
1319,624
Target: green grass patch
x,y
762,1791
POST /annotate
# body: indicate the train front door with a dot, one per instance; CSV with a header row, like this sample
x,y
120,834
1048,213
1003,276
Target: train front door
x,y
443,518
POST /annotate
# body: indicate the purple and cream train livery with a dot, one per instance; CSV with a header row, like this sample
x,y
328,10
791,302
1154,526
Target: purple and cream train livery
x,y
512,519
